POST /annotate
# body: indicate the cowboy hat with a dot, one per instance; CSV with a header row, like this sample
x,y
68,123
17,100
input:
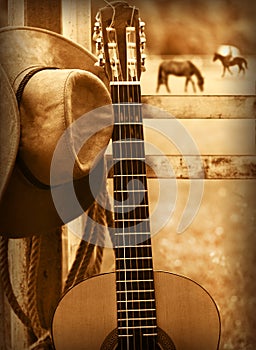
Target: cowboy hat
x,y
56,83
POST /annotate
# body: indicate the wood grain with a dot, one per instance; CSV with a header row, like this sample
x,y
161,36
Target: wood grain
x,y
185,311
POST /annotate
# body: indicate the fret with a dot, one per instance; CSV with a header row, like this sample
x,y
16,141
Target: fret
x,y
129,242
147,234
135,182
134,246
137,310
135,258
133,191
130,167
131,220
146,269
132,131
136,194
125,335
135,301
136,319
128,151
125,175
144,335
135,276
122,93
134,251
128,141
136,327
128,158
126,82
143,274
138,210
133,263
135,291
139,298
134,280
128,123
130,206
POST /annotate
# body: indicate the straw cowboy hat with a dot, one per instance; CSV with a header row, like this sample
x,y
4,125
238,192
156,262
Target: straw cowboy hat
x,y
47,83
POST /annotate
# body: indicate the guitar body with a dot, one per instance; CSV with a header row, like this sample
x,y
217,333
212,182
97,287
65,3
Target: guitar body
x,y
187,316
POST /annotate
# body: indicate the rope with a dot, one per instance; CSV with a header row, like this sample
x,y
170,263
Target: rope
x,y
80,262
84,267
7,286
81,266
32,286
75,266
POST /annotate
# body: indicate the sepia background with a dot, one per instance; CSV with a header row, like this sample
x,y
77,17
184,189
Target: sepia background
x,y
218,249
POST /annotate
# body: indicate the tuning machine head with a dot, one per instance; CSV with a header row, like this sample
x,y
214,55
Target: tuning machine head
x,y
142,44
97,38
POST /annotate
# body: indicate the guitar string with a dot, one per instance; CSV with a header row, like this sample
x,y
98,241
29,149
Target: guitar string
x,y
120,306
137,133
144,214
137,211
131,200
136,273
125,183
140,272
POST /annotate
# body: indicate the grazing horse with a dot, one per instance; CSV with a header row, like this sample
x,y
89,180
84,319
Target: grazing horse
x,y
228,61
180,69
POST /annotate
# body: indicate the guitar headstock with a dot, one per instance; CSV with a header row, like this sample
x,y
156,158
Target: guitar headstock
x,y
120,41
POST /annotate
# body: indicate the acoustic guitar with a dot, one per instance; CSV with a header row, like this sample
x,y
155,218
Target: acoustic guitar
x,y
134,308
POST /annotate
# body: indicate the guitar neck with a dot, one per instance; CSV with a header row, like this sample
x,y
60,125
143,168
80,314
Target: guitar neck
x,y
134,266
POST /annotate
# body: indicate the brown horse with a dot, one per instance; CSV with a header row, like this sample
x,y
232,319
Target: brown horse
x,y
180,69
228,61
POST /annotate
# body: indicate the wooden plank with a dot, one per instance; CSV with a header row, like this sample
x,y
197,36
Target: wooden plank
x,y
16,10
18,273
207,167
214,136
4,13
49,279
43,14
76,21
196,107
5,319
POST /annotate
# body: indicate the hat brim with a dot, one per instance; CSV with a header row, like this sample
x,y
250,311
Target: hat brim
x,y
25,209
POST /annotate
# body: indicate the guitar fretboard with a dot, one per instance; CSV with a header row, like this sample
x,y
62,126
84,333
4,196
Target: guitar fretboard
x,y
134,268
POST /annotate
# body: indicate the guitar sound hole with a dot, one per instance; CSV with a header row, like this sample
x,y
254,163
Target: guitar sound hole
x,y
164,342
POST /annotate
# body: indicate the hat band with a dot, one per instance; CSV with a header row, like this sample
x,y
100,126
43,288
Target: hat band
x,y
23,167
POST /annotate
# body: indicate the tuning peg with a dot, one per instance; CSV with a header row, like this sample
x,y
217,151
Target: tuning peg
x,y
143,62
101,61
98,44
97,31
142,25
142,42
